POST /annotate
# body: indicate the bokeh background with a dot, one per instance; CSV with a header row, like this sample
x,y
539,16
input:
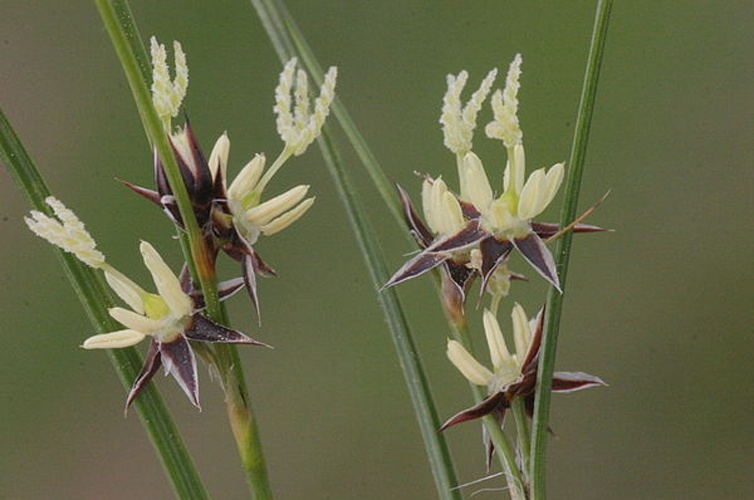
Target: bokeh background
x,y
661,308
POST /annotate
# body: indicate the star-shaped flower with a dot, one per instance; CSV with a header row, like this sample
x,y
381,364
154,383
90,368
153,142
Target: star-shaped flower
x,y
455,240
445,216
475,229
240,217
514,373
170,318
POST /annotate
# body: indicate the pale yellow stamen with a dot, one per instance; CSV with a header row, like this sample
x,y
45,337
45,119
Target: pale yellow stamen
x,y
505,108
167,93
458,121
66,232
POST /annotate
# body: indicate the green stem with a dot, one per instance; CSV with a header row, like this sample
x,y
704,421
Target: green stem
x,y
243,422
96,299
562,252
127,45
122,29
288,41
413,371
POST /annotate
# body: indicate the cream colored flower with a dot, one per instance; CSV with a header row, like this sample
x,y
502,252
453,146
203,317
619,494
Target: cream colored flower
x,y
163,315
514,373
251,216
67,232
458,121
167,93
441,208
506,366
297,124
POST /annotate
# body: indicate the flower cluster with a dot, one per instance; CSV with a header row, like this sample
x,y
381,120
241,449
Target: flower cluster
x,y
171,317
514,373
472,233
231,219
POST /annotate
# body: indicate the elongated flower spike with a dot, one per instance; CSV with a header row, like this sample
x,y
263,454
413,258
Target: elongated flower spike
x,y
167,93
505,108
297,125
458,122
66,231
171,317
513,373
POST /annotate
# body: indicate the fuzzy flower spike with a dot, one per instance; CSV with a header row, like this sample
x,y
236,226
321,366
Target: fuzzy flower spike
x,y
167,93
171,317
475,231
514,372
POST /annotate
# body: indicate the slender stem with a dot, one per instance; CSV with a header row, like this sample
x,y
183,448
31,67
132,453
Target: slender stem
x,y
288,41
522,432
562,252
413,371
124,35
243,422
96,299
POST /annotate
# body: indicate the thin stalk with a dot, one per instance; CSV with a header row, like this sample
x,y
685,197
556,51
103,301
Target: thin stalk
x,y
126,45
273,169
523,435
413,371
96,299
562,252
122,29
243,422
288,41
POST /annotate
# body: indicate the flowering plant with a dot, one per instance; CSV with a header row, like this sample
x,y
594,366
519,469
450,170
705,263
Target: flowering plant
x,y
472,234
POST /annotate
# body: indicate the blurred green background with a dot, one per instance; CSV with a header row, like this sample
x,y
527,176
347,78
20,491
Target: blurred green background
x,y
661,309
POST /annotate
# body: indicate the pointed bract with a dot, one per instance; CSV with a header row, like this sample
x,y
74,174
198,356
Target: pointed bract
x,y
538,255
152,364
180,362
203,329
417,266
495,402
574,381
